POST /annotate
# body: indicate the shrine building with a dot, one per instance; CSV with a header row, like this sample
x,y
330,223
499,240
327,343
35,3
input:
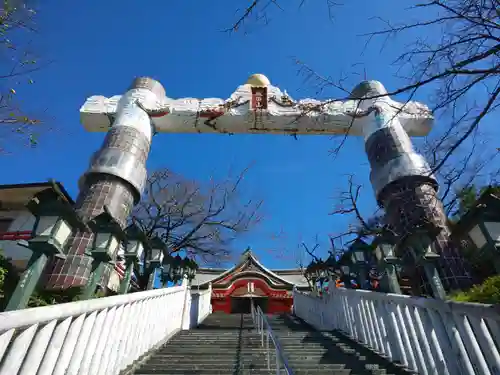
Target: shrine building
x,y
234,289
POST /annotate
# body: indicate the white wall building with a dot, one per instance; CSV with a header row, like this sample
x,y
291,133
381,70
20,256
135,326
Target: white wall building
x,y
16,223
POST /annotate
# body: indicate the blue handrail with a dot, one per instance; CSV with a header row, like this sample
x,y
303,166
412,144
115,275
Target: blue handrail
x,y
265,330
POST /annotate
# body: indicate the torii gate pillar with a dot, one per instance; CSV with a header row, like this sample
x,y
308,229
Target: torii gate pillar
x,y
115,178
406,187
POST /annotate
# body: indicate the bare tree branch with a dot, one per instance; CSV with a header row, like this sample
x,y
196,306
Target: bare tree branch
x,y
258,11
201,220
17,22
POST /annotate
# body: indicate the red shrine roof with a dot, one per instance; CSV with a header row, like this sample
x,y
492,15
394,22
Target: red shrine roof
x,y
249,263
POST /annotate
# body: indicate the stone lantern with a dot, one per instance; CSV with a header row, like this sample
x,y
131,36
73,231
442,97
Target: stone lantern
x,y
155,258
359,251
108,237
136,244
387,261
55,221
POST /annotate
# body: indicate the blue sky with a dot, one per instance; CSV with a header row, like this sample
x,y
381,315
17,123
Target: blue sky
x,y
98,47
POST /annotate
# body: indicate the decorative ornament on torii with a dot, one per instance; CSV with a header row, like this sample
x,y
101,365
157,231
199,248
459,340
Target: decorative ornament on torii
x,y
117,172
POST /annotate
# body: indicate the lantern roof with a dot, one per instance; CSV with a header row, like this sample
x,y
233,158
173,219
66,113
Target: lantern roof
x,y
358,243
486,208
157,242
53,202
133,232
106,222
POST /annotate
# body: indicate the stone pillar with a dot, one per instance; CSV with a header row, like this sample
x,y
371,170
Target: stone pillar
x,y
403,181
115,178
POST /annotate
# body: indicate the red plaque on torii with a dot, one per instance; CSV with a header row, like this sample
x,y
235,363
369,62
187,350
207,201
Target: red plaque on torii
x,y
259,98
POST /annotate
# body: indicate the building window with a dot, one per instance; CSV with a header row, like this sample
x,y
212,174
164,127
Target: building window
x,y
5,224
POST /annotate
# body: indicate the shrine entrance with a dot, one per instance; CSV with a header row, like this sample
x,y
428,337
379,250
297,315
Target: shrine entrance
x,y
242,305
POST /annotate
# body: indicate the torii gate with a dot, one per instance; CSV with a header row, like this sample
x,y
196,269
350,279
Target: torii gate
x,y
117,172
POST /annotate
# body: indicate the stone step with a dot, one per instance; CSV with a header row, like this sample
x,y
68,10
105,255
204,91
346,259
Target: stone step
x,y
212,350
200,340
235,336
299,346
222,330
223,371
209,358
307,340
325,370
229,362
214,354
216,368
211,341
228,345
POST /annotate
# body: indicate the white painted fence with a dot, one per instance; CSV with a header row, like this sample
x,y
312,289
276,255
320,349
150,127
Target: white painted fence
x,y
198,308
96,337
427,335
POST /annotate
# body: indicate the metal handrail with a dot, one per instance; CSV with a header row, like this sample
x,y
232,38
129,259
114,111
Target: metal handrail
x,y
264,329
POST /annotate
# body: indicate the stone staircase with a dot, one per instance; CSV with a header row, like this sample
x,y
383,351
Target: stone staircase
x,y
222,344
313,352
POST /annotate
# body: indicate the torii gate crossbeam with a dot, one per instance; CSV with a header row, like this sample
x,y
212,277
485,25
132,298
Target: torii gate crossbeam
x,y
117,172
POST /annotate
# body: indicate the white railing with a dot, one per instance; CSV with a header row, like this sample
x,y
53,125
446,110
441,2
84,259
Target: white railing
x,y
427,335
198,308
270,342
95,337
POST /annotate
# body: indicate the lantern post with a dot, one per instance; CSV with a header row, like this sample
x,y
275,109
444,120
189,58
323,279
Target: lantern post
x,y
483,222
155,259
387,260
421,244
108,237
136,243
167,273
191,269
54,224
358,253
177,270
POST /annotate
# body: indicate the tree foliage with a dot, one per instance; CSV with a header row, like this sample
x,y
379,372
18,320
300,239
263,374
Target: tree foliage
x,y
487,292
202,220
18,62
468,196
9,277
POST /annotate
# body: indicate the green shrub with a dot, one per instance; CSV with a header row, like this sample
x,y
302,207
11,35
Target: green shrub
x,y
487,292
54,297
9,277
